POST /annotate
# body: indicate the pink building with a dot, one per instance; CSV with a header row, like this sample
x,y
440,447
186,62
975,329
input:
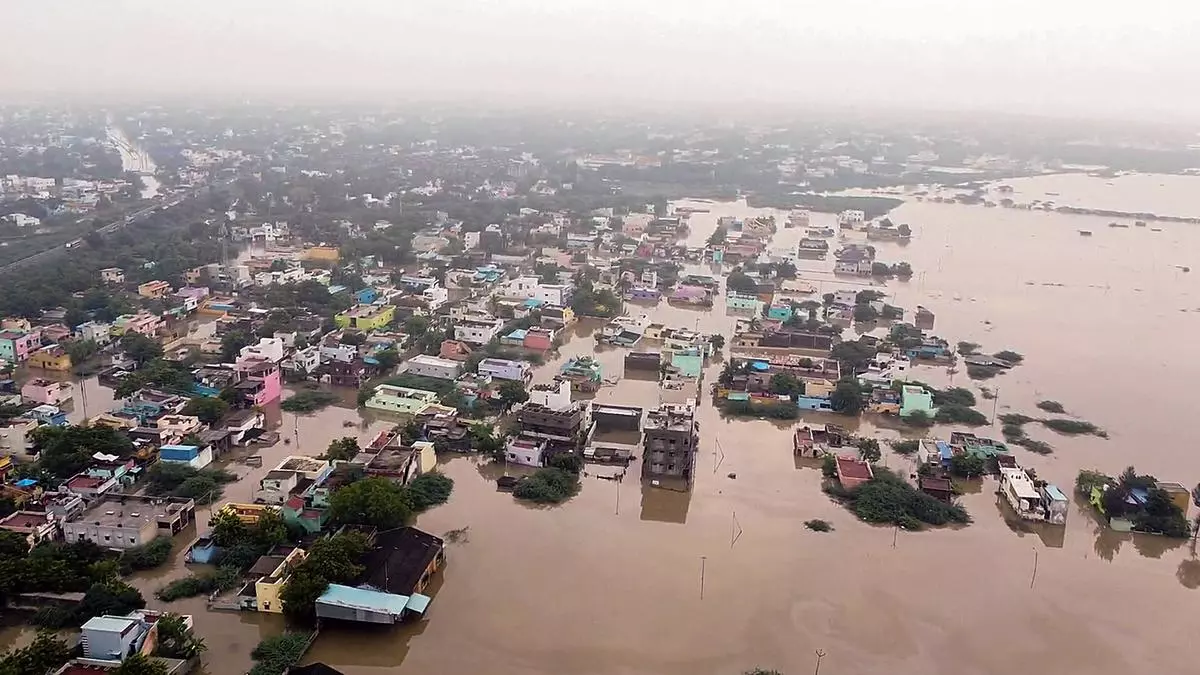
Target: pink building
x,y
47,391
540,339
143,322
17,345
261,382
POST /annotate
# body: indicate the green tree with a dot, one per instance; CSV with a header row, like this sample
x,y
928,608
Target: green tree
x,y
966,465
140,348
65,451
378,502
227,529
233,342
485,440
846,397
387,358
345,449
786,384
176,640
46,653
868,450
429,490
512,391
111,597
209,410
416,325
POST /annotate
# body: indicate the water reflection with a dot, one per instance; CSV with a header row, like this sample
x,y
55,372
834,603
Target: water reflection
x,y
1052,536
667,502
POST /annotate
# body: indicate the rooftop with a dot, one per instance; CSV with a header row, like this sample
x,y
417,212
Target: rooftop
x,y
399,558
854,468
671,417
362,311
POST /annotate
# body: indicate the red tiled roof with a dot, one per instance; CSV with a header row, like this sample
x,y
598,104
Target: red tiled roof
x,y
853,468
85,482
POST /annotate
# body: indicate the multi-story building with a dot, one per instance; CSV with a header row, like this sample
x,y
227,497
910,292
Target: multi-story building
x,y
17,345
365,317
670,437
143,322
47,391
96,331
565,427
112,275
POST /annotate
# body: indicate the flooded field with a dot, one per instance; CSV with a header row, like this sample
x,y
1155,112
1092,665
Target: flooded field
x,y
631,579
1166,195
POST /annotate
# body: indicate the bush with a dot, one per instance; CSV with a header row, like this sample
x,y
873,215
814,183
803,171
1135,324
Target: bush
x,y
906,447
1013,432
966,348
1036,446
275,655
225,578
149,556
1016,419
954,396
957,414
967,466
829,466
547,486
818,525
888,498
779,410
1072,427
54,617
309,401
428,490
1009,355
1052,407
918,418
976,372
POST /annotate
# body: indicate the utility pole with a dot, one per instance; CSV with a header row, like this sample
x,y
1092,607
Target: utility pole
x,y
820,655
703,559
1033,578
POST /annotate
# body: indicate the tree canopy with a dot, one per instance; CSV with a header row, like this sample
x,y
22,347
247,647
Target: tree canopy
x,y
375,501
345,449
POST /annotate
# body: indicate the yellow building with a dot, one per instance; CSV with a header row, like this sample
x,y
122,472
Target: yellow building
x,y
365,317
247,513
270,585
818,387
326,253
51,358
154,289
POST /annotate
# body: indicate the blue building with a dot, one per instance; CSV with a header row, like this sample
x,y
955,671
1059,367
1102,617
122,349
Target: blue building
x,y
366,296
780,311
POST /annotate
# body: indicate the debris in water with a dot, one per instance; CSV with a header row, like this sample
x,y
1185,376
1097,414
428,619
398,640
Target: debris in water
x,y
1085,233
459,536
733,475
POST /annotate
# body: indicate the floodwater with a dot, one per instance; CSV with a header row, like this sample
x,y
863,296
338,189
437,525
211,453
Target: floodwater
x,y
631,579
134,158
1162,194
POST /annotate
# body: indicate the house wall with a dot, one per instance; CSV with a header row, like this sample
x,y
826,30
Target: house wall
x,y
107,645
110,536
503,370
430,368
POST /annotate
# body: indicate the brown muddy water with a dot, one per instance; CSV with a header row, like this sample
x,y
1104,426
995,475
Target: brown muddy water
x,y
611,581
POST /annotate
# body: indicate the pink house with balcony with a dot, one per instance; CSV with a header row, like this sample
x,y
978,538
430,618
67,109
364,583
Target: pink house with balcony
x,y
17,345
143,322
261,382
47,391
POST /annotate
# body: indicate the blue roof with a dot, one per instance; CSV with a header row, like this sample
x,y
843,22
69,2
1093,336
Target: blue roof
x,y
944,450
534,302
518,334
419,603
26,482
363,598
186,448
760,365
1055,494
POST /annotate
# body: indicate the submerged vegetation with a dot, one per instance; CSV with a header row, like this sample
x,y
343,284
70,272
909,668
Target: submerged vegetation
x,y
818,525
309,400
549,485
889,499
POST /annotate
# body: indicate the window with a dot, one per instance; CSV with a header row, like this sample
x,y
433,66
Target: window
x,y
133,540
670,467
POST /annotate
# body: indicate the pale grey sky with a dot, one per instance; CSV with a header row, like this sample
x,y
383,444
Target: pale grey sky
x,y
1093,57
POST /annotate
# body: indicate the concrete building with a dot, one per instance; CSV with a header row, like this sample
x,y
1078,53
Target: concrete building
x,y
17,345
112,275
125,521
670,438
402,400
268,349
273,572
48,392
143,322
477,331
432,366
194,456
96,331
505,369
365,317
52,357
554,395
35,526
154,289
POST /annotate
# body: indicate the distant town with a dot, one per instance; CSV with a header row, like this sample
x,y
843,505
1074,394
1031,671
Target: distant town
x,y
251,356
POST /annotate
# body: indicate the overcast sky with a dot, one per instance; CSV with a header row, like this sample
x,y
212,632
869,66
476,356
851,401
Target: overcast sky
x,y
1103,58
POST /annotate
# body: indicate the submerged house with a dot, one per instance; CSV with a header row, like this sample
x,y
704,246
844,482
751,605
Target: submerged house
x,y
397,570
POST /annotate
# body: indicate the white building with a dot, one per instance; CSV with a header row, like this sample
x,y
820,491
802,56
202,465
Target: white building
x,y
531,287
845,298
268,349
471,241
1020,492
339,352
555,395
22,220
97,331
435,297
432,366
505,369
525,451
851,218
280,277
305,360
477,331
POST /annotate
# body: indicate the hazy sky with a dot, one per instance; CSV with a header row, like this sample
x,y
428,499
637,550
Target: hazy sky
x,y
1105,58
